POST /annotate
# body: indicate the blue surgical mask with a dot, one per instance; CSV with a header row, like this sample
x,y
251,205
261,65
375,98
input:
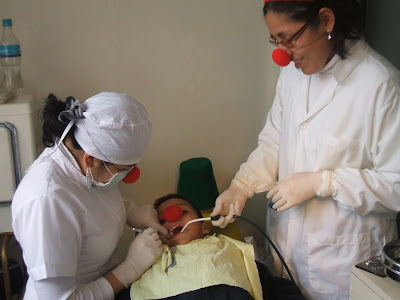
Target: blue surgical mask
x,y
114,180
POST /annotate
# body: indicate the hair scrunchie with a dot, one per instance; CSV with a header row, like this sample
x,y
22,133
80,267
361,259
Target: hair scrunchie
x,y
73,111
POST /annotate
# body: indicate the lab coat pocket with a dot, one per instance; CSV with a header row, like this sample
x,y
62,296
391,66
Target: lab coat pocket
x,y
337,153
330,259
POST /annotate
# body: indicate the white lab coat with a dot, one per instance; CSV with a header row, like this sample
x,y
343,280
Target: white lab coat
x,y
354,130
64,228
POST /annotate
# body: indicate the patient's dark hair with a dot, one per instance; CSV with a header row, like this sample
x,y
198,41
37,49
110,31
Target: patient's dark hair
x,y
161,200
52,128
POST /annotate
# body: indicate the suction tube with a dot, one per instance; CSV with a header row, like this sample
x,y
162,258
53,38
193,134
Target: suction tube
x,y
270,241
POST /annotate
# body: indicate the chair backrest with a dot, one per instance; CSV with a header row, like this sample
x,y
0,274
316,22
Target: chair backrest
x,y
197,184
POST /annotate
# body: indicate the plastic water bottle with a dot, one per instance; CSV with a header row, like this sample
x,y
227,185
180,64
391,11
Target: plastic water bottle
x,y
10,59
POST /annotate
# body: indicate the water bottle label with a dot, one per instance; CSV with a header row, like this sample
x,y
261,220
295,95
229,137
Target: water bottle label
x,y
10,51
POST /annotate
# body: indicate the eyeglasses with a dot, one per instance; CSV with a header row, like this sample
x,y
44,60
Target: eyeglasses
x,y
290,42
126,172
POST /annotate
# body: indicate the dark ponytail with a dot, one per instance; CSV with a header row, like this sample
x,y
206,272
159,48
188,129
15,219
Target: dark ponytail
x,y
52,128
348,18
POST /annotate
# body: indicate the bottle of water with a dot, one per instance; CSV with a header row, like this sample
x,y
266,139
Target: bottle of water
x,y
10,59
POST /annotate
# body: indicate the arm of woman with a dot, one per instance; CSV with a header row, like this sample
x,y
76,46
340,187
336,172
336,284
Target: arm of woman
x,y
259,173
143,216
65,288
372,187
143,251
376,189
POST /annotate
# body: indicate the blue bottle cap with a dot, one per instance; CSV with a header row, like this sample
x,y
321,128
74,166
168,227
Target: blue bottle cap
x,y
7,22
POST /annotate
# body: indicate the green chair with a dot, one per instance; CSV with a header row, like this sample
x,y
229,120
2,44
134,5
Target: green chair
x,y
197,184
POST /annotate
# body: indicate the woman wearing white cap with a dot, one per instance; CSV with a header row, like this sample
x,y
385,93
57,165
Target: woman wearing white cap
x,y
68,213
329,152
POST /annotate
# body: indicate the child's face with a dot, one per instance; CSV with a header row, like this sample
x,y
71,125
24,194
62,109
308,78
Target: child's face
x,y
193,231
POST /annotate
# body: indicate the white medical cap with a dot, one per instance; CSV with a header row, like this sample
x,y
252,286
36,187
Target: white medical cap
x,y
116,128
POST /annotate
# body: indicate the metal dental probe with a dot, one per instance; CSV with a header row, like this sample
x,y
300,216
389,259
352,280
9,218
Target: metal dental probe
x,y
215,218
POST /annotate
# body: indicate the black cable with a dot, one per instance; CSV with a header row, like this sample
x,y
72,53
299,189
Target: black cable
x,y
269,240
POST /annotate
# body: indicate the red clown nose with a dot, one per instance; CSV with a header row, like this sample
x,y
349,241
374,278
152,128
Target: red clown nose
x,y
280,57
132,176
172,213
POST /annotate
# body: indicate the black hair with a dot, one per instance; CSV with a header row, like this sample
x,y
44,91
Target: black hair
x,y
161,200
52,128
348,18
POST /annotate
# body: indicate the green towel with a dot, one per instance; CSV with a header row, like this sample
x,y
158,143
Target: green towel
x,y
197,182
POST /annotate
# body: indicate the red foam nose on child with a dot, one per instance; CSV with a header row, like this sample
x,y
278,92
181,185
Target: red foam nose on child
x,y
172,213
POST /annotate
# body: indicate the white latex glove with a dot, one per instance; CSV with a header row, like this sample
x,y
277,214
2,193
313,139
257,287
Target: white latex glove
x,y
143,252
144,216
231,202
300,187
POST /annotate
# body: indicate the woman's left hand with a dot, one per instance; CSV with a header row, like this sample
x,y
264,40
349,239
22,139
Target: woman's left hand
x,y
144,216
300,187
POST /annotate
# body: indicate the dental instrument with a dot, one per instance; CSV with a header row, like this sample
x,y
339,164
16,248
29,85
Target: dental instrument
x,y
137,230
215,218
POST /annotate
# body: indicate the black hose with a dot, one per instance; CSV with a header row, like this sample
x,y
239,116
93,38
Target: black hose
x,y
269,240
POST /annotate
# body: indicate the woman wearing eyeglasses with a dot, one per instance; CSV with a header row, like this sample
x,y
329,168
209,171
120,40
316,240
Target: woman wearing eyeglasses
x,y
329,152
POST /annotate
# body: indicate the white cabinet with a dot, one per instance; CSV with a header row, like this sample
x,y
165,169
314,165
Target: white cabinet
x,y
8,178
17,152
16,114
367,286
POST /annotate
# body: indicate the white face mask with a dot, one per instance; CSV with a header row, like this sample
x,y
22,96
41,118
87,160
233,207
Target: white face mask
x,y
114,180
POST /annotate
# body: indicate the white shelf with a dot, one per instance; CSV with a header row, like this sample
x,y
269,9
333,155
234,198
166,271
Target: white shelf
x,y
367,286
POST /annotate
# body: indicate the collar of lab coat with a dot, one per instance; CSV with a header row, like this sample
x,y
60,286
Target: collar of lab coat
x,y
345,67
342,69
66,161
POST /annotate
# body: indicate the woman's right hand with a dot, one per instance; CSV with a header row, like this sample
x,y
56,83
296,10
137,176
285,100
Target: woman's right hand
x,y
230,203
144,216
144,250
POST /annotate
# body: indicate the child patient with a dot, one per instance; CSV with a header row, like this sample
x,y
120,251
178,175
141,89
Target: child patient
x,y
194,265
194,231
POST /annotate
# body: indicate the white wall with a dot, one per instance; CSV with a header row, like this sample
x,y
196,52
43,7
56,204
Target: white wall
x,y
202,68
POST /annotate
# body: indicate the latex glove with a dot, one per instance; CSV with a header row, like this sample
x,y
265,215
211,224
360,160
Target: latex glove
x,y
144,216
300,187
144,250
230,202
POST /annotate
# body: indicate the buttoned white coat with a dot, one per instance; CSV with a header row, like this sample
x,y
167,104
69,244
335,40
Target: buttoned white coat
x,y
64,228
354,130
